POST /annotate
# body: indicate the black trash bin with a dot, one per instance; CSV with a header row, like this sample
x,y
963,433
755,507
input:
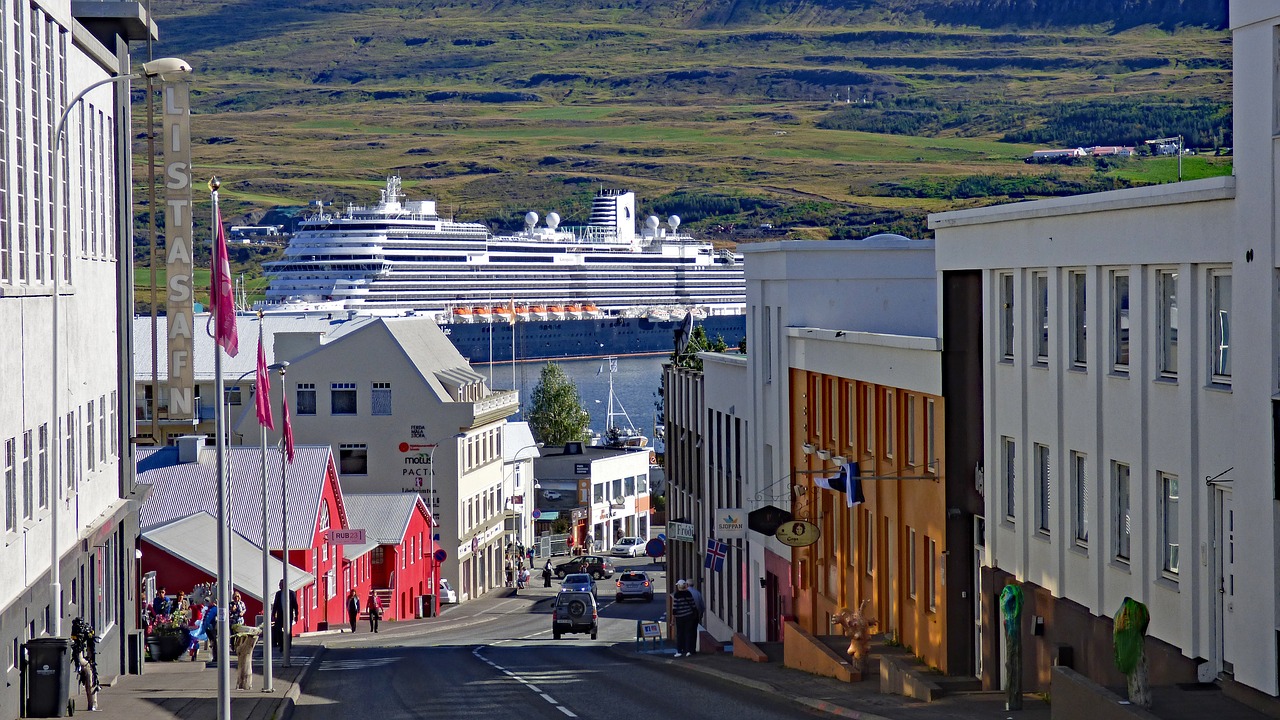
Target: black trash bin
x,y
48,677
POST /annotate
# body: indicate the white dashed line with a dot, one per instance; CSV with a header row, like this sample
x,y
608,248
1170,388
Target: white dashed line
x,y
526,683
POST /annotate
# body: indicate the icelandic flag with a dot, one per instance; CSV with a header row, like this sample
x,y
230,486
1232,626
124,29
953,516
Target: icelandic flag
x,y
262,393
847,482
716,552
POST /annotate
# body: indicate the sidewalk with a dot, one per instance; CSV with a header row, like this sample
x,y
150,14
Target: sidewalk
x,y
186,690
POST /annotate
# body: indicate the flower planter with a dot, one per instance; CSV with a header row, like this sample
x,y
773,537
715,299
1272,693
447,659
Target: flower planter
x,y
168,647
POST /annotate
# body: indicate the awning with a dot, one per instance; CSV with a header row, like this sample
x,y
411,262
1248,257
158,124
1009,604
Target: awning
x,y
194,540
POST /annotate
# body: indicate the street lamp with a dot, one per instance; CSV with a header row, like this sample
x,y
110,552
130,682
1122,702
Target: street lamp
x,y
162,68
1158,142
266,551
435,525
510,497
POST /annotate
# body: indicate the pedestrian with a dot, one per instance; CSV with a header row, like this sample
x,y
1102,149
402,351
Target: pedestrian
x,y
510,571
522,579
182,603
209,627
353,609
530,554
546,574
235,613
697,599
161,605
375,611
685,611
197,631
277,616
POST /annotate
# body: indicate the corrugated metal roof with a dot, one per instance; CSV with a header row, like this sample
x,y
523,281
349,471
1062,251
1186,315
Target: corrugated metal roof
x,y
384,517
182,489
517,442
246,325
194,539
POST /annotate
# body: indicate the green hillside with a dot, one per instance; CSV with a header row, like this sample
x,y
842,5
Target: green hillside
x,y
822,119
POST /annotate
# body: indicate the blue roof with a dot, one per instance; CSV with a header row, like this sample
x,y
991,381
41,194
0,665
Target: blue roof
x,y
181,489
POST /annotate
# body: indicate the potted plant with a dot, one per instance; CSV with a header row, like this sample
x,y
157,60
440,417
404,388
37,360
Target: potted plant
x,y
168,636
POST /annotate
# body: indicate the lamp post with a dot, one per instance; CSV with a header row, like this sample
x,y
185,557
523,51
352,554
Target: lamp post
x,y
267,685
161,67
515,458
286,608
431,506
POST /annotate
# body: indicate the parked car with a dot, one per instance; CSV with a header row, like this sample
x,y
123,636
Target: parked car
x,y
628,547
596,566
634,584
579,582
574,612
447,595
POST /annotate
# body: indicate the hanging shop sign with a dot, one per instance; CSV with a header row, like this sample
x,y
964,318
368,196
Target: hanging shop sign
x,y
798,533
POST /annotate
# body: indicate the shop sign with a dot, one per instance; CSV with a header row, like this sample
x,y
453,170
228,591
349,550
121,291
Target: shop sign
x,y
798,533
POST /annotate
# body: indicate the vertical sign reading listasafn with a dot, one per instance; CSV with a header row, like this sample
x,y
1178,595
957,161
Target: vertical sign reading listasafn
x,y
179,247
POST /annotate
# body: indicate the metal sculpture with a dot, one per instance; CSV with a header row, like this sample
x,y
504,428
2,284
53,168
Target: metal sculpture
x,y
858,629
1011,609
1130,635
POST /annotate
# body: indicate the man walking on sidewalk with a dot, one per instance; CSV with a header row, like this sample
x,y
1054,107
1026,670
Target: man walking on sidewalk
x,y
685,612
353,609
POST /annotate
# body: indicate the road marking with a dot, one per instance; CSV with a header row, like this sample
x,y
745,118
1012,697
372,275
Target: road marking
x,y
526,683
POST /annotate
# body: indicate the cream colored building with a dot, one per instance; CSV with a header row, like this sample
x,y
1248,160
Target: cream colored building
x,y
404,412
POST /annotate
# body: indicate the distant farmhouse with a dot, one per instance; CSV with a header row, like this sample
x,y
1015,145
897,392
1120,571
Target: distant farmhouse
x,y
1071,154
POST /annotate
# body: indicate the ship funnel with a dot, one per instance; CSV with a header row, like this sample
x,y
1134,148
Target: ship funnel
x,y
530,220
674,222
553,220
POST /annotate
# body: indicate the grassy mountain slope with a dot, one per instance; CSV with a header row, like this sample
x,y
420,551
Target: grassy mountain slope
x,y
807,115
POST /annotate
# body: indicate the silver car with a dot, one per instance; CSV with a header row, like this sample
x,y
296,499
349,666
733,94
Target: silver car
x,y
579,582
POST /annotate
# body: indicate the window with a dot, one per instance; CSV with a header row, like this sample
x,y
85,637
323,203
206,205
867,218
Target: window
x,y
1080,499
1040,305
888,423
342,399
911,430
353,459
1008,456
1120,322
869,528
930,429
1167,321
870,421
10,484
103,440
930,577
1169,521
1120,476
1079,320
911,562
28,476
88,437
44,465
766,358
1044,488
233,395
1006,316
306,403
380,403
1220,326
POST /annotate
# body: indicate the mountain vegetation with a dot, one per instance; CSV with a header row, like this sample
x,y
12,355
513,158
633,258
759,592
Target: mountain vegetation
x,y
751,119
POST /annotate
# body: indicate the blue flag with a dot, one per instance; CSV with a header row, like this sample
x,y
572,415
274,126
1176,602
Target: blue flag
x,y
847,482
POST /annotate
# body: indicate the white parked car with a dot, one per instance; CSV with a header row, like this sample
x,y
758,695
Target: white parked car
x,y
628,547
447,595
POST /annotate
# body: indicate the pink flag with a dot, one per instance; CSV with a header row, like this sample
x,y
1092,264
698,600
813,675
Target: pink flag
x,y
288,428
221,299
262,393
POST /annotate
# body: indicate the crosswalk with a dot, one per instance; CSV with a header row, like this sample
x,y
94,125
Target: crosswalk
x,y
356,663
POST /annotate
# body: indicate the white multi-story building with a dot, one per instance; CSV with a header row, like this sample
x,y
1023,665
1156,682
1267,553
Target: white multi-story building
x,y
1129,379
518,452
404,412
66,480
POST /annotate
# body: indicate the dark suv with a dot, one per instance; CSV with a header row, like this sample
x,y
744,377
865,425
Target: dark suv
x,y
574,612
596,566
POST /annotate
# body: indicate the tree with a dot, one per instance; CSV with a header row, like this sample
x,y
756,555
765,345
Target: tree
x,y
556,415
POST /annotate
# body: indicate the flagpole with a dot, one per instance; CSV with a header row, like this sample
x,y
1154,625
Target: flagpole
x,y
263,387
286,609
224,488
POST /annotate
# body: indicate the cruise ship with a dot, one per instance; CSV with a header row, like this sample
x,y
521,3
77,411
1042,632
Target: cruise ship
x,y
548,291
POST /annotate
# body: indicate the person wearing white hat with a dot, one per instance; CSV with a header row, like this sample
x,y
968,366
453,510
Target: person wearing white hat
x,y
685,612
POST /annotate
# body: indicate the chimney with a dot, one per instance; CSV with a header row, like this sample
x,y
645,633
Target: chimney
x,y
189,448
573,448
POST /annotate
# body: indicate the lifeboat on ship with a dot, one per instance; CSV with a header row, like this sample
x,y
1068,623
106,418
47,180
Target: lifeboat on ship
x,y
481,314
555,312
592,311
539,312
503,313
574,311
658,314
461,315
522,313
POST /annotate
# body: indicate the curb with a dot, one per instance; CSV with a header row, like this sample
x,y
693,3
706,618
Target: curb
x,y
290,700
760,686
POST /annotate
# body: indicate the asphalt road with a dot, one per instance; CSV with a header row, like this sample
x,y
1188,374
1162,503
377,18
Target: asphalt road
x,y
494,658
